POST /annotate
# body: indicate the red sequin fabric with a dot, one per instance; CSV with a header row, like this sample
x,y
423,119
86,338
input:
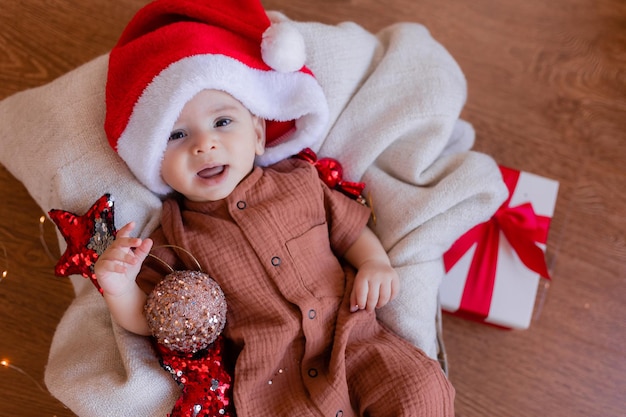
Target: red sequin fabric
x,y
206,384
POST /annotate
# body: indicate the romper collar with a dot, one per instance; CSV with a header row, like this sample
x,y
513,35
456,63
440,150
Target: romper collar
x,y
238,193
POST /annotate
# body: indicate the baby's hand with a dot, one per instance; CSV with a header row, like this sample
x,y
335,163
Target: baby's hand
x,y
376,284
117,268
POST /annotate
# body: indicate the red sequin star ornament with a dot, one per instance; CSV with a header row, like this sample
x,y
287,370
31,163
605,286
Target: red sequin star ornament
x,y
87,237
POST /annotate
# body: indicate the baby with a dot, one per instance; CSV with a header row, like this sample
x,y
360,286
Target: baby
x,y
301,271
211,150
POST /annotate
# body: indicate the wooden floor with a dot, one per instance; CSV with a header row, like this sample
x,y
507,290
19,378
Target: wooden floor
x,y
547,94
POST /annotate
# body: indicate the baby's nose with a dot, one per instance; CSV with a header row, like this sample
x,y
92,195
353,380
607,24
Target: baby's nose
x,y
205,142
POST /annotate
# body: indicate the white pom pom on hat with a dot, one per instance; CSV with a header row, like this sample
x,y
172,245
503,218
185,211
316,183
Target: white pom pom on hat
x,y
283,47
173,49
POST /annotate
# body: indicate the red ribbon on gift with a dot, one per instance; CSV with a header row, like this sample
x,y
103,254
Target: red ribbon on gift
x,y
520,226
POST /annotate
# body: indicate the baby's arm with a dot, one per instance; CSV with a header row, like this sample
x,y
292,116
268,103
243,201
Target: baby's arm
x,y
376,282
116,270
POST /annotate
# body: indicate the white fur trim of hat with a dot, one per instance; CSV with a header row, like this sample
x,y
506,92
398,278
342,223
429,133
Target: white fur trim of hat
x,y
173,49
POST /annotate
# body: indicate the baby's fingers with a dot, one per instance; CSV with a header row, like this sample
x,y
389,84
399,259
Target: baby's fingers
x,y
373,295
122,254
106,266
388,290
126,229
354,298
123,238
359,298
143,249
384,295
125,249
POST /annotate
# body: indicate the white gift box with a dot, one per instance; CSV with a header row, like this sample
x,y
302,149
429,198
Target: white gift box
x,y
510,299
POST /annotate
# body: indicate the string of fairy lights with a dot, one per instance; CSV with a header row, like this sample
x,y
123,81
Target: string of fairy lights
x,y
5,271
5,363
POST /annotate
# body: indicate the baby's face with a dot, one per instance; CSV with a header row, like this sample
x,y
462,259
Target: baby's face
x,y
212,146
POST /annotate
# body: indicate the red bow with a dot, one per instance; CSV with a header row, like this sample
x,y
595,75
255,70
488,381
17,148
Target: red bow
x,y
331,172
520,226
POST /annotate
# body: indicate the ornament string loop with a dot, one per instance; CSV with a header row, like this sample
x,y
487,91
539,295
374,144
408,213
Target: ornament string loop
x,y
168,266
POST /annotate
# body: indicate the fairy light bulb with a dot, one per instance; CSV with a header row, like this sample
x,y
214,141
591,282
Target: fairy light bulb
x,y
42,238
5,272
6,364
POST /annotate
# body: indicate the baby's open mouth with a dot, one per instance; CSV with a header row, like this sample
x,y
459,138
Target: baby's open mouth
x,y
211,172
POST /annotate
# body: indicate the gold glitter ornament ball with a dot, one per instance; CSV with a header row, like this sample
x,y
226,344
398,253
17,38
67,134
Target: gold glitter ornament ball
x,y
186,311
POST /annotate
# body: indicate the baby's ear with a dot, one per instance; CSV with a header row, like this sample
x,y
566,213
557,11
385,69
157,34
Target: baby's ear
x,y
259,128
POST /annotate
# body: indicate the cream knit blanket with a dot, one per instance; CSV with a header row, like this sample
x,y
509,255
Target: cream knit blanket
x,y
395,99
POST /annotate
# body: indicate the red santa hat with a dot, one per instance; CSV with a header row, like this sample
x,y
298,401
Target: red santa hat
x,y
173,49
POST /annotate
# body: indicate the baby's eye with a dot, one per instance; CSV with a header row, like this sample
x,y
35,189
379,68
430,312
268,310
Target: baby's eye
x,y
223,122
177,134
